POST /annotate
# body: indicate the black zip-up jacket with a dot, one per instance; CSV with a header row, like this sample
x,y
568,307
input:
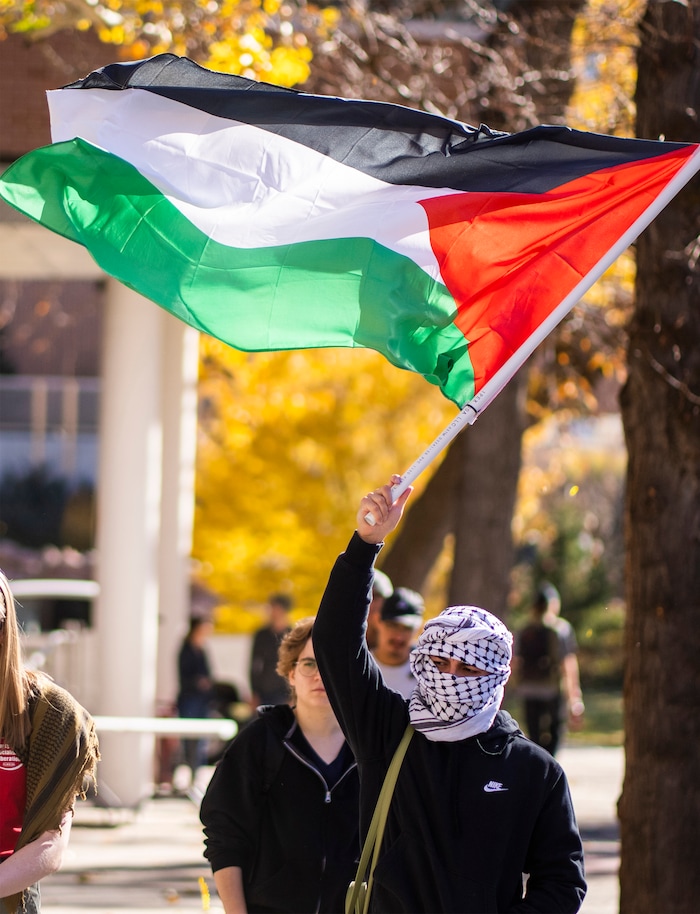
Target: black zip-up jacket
x,y
468,818
269,810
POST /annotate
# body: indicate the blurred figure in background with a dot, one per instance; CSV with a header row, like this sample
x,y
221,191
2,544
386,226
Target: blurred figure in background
x,y
382,589
196,691
547,672
48,748
400,619
267,687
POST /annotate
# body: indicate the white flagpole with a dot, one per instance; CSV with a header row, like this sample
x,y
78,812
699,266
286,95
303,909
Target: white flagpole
x,y
495,385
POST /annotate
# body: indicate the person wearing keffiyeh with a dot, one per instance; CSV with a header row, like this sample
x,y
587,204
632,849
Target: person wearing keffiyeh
x,y
450,707
48,752
481,818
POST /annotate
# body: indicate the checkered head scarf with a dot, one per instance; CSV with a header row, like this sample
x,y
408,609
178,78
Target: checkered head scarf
x,y
446,707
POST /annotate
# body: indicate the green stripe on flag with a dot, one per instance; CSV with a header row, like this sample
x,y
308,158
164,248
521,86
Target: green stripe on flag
x,y
334,292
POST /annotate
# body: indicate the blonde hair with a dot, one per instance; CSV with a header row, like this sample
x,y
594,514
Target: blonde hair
x,y
15,681
291,647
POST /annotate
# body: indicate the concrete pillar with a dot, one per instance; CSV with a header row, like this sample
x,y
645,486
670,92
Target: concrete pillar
x,y
179,394
128,528
149,391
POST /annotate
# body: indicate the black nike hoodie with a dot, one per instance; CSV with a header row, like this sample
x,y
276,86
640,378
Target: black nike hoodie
x,y
468,818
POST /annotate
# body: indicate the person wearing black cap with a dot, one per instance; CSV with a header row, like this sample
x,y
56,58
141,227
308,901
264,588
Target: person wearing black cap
x,y
400,618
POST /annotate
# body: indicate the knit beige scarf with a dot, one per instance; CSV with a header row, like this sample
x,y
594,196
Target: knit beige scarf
x,y
61,753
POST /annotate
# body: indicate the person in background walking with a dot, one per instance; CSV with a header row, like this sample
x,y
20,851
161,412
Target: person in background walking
x,y
267,687
281,813
546,671
575,707
48,749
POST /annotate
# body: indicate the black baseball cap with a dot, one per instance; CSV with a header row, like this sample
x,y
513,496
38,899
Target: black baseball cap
x,y
405,607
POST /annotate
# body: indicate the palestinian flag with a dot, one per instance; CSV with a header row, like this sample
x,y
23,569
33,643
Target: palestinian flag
x,y
273,219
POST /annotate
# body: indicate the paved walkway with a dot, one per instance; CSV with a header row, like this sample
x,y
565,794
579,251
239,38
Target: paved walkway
x,y
595,777
152,860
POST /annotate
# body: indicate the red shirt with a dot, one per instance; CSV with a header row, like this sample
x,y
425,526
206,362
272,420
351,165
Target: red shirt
x,y
13,795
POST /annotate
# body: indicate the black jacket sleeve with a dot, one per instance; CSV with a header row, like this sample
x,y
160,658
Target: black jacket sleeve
x,y
372,716
555,859
230,810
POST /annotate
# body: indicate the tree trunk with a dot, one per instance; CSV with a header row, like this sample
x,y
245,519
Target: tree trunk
x,y
484,503
540,34
471,494
420,537
660,805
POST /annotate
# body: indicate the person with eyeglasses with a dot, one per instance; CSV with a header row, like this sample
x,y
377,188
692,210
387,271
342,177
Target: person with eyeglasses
x,y
481,818
281,812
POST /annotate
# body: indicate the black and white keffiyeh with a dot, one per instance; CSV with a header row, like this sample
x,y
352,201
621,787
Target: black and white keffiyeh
x,y
446,707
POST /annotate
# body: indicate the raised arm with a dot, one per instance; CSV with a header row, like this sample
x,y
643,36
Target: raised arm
x,y
385,512
368,712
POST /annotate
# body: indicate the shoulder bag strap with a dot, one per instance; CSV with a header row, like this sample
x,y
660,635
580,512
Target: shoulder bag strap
x,y
375,833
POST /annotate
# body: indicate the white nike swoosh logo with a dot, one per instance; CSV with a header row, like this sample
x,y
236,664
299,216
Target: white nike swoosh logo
x,y
494,788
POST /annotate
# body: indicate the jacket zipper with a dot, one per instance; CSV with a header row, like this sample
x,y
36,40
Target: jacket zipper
x,y
329,790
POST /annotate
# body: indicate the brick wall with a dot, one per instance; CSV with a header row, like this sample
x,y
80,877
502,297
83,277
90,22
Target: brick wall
x,y
27,70
51,328
45,327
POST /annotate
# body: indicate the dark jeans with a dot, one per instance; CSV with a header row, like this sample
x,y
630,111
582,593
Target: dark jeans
x,y
543,718
194,750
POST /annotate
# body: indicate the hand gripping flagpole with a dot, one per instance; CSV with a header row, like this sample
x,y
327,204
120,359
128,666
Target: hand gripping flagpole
x,y
470,412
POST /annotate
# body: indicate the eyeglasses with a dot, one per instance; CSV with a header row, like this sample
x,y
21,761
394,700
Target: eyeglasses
x,y
307,666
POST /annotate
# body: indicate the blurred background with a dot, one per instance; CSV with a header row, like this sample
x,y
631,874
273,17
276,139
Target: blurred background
x,y
150,474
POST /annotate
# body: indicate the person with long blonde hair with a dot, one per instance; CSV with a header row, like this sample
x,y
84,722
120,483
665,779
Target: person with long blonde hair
x,y
48,749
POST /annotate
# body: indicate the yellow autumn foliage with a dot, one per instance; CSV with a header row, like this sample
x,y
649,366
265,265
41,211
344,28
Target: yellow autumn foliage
x,y
288,443
259,39
603,48
603,53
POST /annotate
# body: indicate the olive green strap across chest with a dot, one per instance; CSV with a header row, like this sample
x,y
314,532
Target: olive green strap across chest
x,y
359,891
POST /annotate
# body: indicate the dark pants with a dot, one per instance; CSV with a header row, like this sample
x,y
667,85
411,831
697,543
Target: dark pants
x,y
194,750
32,902
543,718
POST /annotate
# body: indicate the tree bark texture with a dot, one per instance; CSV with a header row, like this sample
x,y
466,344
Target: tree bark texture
x,y
484,502
471,494
660,804
418,543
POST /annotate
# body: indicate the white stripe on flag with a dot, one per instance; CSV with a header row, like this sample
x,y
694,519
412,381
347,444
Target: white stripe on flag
x,y
241,185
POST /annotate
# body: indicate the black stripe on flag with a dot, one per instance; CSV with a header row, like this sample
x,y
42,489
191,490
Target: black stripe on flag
x,y
393,143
